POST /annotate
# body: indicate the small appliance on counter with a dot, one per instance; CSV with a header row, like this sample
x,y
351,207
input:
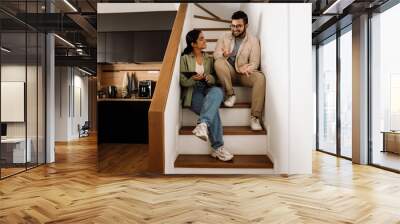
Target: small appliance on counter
x,y
101,94
145,89
111,91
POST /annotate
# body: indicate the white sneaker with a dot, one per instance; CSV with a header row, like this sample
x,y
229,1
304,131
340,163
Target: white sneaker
x,y
201,131
255,124
230,101
222,154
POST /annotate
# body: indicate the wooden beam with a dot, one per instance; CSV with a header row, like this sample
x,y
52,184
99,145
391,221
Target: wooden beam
x,y
84,24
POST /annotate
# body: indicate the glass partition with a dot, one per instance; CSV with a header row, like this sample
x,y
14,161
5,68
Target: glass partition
x,y
23,88
14,153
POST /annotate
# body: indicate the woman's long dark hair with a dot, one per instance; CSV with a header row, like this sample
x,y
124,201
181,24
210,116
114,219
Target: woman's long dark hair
x,y
191,37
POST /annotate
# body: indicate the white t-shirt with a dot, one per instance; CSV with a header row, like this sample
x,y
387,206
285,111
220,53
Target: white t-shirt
x,y
199,69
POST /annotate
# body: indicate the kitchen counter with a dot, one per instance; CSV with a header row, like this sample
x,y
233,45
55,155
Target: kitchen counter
x,y
124,99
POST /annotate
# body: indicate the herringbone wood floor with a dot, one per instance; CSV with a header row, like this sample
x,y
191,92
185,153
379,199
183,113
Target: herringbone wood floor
x,y
72,191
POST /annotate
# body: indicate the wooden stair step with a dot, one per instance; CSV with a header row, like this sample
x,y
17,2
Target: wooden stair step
x,y
211,40
237,105
228,130
212,19
239,161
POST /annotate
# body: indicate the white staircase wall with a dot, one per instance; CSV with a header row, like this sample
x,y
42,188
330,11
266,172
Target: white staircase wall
x,y
284,31
301,109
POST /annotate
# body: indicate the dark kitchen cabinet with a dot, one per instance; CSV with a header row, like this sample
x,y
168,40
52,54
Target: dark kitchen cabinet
x,y
132,47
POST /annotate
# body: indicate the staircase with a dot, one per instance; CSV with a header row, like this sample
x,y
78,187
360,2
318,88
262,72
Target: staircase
x,y
248,146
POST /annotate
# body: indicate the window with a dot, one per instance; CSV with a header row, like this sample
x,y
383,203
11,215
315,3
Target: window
x,y
385,89
327,96
335,74
346,93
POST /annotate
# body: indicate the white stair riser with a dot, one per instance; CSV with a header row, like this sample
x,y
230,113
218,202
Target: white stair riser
x,y
229,117
213,34
210,46
237,144
223,171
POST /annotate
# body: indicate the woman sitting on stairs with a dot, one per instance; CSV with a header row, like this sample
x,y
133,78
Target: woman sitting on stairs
x,y
201,95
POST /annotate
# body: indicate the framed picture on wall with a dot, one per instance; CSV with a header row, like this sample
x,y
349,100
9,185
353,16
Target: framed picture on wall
x,y
12,101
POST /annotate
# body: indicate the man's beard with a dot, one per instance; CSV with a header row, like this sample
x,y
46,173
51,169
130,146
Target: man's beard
x,y
240,35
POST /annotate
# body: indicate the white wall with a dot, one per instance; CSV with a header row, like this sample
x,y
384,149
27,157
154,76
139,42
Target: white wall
x,y
284,31
68,81
61,103
314,84
80,84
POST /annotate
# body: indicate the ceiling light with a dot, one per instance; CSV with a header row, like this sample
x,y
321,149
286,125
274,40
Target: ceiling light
x,y
64,40
5,50
70,5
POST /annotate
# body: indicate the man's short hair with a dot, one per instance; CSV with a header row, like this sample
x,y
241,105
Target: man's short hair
x,y
240,15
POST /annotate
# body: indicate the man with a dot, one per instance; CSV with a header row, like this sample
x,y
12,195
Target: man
x,y
237,58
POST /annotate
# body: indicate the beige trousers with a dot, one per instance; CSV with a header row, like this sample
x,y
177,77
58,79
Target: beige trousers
x,y
228,75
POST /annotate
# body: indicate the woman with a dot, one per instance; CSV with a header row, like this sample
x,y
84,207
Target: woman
x,y
201,94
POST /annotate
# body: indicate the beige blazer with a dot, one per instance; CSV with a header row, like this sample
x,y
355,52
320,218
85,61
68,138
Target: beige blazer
x,y
249,51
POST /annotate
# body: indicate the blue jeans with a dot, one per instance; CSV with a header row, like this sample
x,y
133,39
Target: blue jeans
x,y
205,103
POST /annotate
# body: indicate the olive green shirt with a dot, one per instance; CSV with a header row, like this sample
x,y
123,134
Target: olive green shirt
x,y
188,64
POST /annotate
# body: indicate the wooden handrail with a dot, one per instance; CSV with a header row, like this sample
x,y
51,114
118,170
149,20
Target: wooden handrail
x,y
207,11
158,104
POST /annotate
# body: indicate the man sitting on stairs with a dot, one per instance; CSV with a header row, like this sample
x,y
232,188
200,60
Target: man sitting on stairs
x,y
237,58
